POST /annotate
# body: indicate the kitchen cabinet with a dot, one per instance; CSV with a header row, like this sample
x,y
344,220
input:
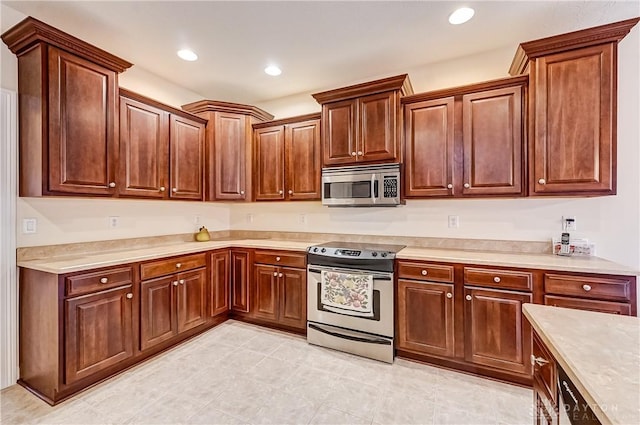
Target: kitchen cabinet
x,y
572,110
219,280
240,276
362,123
466,141
228,148
545,378
68,123
173,298
280,288
161,150
287,160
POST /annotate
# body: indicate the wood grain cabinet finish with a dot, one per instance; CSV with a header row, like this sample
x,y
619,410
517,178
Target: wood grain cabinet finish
x,y
240,276
157,311
186,158
465,141
545,378
191,299
68,123
265,304
287,159
219,293
362,123
228,148
426,317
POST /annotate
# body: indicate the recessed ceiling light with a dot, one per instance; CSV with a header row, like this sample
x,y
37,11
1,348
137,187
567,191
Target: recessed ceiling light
x,y
187,55
460,16
273,70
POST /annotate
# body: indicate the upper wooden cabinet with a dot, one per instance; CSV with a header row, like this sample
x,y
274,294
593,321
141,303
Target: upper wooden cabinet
x,y
363,123
67,112
572,106
466,141
228,150
287,160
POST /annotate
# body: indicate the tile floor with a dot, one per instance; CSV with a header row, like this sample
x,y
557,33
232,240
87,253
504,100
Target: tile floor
x,y
237,373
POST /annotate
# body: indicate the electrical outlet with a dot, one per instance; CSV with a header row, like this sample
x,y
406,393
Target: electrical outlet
x,y
302,218
454,221
29,225
114,221
197,219
569,223
249,218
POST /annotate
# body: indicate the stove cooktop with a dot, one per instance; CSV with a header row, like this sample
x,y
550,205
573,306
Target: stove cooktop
x,y
355,250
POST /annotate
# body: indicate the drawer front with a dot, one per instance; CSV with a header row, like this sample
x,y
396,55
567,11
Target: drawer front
x,y
423,271
172,265
623,309
588,287
495,278
98,281
281,258
544,369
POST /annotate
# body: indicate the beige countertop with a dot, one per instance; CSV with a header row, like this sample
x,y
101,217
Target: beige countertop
x,y
599,352
74,263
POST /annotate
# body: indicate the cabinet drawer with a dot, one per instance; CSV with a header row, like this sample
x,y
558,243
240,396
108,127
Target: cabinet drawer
x,y
280,258
495,278
171,265
590,305
588,287
97,281
422,271
544,369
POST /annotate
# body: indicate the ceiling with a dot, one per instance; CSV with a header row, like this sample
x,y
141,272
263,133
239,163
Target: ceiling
x,y
319,45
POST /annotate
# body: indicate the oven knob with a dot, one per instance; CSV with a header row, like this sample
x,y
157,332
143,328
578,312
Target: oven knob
x,y
323,250
315,249
384,254
374,254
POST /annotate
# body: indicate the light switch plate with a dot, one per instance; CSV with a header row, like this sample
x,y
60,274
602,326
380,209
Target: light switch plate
x,y
454,221
29,225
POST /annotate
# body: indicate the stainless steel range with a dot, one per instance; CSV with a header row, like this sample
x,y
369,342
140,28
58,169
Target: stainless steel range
x,y
350,298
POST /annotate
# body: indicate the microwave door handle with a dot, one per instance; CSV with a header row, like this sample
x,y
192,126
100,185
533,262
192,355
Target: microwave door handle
x,y
373,188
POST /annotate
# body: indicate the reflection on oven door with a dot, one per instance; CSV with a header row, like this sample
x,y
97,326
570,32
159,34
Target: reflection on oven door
x,y
359,343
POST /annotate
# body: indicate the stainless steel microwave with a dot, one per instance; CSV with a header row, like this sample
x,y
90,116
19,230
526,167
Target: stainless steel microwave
x,y
361,186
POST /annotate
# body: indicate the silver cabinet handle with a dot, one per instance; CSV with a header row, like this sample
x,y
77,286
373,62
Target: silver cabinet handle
x,y
279,274
449,295
586,287
162,188
242,192
353,154
496,279
104,280
175,283
181,281
112,184
467,185
360,153
277,258
290,192
449,186
174,190
280,192
538,360
468,298
424,272
129,295
275,273
178,265
542,181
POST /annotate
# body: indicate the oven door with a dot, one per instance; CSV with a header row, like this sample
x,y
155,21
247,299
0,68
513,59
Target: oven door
x,y
350,189
381,323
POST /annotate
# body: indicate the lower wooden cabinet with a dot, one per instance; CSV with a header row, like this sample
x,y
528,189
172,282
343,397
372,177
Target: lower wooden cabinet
x,y
545,378
240,271
99,332
591,305
426,317
219,281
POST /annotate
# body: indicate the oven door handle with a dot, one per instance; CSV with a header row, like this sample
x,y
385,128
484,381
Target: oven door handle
x,y
372,340
376,275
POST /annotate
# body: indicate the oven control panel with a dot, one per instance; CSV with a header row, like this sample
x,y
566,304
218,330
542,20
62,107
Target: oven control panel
x,y
351,253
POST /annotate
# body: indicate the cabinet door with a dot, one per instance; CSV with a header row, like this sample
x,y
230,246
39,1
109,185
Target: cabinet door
x,y
98,332
590,305
230,156
492,138
425,317
219,293
496,333
429,144
339,132
191,300
265,304
377,135
187,158
573,119
303,161
157,311
293,298
83,139
144,150
240,281
269,163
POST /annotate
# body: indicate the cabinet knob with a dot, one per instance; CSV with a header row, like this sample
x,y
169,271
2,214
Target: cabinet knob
x,y
181,281
496,279
360,153
467,185
112,184
538,360
586,287
242,192
175,283
280,192
290,192
468,298
174,190
542,181
424,272
275,273
449,295
104,280
279,274
178,265
449,186
353,154
129,295
162,188
277,258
